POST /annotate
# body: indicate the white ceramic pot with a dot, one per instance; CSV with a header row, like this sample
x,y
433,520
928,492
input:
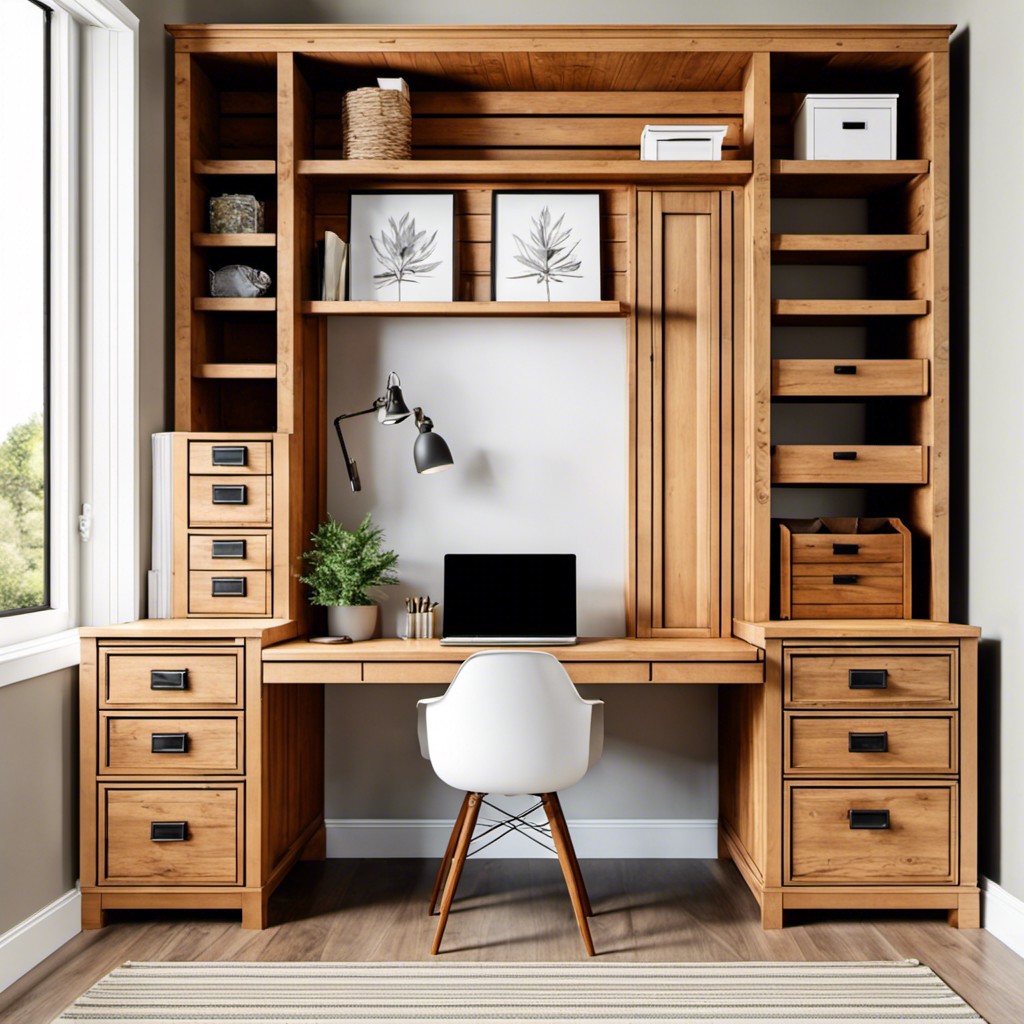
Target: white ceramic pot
x,y
358,621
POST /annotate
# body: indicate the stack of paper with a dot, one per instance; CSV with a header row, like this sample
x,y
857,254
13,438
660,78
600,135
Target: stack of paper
x,y
161,575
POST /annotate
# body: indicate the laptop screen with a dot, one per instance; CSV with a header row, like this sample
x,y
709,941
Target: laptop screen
x,y
509,596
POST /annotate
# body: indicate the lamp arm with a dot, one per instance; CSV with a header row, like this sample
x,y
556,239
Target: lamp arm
x,y
350,466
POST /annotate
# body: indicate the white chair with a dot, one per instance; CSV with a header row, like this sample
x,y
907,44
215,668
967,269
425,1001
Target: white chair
x,y
511,723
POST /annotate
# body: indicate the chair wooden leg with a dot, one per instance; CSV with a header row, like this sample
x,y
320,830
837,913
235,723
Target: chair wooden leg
x,y
458,860
584,898
446,860
565,859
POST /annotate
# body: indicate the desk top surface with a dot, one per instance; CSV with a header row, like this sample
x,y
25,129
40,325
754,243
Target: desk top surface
x,y
660,649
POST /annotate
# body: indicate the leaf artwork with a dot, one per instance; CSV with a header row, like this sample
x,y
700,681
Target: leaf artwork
x,y
403,252
548,255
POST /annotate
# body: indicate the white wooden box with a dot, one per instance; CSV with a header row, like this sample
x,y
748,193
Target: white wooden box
x,y
845,127
682,142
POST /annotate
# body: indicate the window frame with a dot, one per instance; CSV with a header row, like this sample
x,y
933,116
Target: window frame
x,y
93,388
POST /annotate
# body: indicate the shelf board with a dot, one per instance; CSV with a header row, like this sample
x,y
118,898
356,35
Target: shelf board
x,y
236,371
724,172
545,309
816,249
207,240
839,178
832,311
208,305
234,166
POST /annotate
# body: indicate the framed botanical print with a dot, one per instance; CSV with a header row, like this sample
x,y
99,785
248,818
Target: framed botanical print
x,y
402,246
546,247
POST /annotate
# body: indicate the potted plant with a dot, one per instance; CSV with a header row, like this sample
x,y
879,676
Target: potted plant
x,y
343,565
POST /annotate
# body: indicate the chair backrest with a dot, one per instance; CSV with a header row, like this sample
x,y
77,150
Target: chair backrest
x,y
512,722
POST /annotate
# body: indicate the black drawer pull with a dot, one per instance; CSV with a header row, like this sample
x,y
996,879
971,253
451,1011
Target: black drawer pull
x,y
868,678
228,549
230,494
844,368
869,742
228,586
168,679
854,125
168,831
869,819
844,456
169,743
230,455
837,549
844,580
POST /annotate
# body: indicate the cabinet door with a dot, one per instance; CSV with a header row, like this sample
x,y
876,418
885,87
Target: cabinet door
x,y
679,346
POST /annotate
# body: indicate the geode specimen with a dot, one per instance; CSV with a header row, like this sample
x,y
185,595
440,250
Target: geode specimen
x,y
238,282
235,215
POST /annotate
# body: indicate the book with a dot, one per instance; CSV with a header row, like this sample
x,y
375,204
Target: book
x,y
335,270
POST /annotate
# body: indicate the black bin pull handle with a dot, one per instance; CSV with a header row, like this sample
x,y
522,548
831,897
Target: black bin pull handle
x,y
874,820
854,125
168,679
868,742
230,455
228,549
169,743
845,549
844,456
868,678
844,580
845,368
227,586
168,831
230,494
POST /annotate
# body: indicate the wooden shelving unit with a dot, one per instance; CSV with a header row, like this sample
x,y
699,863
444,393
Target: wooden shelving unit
x,y
826,311
234,167
236,371
206,240
513,309
206,304
842,178
818,249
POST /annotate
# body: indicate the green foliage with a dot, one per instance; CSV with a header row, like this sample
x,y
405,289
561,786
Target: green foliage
x,y
344,564
23,516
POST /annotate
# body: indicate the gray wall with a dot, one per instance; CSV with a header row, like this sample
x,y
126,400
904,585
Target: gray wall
x,y
990,219
38,793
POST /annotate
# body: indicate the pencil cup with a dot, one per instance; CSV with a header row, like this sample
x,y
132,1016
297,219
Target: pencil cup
x,y
419,625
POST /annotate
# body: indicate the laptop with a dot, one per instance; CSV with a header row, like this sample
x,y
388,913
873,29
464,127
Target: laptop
x,y
509,600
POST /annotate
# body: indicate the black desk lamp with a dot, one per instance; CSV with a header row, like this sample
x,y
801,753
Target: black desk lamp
x,y
430,452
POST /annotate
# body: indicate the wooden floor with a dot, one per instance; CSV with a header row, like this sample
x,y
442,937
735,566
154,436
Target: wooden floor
x,y
654,910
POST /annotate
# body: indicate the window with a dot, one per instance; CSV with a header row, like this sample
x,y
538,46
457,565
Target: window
x,y
24,298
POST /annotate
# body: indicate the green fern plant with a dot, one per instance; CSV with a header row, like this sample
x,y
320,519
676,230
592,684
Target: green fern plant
x,y
344,564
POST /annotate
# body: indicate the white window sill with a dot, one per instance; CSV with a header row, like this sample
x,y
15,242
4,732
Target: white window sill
x,y
32,658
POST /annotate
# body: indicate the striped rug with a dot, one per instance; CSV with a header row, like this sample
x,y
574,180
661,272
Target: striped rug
x,y
714,993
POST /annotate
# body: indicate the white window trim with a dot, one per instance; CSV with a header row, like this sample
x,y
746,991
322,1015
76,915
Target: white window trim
x,y
96,580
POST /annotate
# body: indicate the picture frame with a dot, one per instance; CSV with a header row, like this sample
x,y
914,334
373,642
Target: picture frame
x,y
546,246
382,227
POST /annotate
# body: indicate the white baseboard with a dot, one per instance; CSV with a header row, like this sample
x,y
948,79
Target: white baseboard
x,y
620,837
34,939
1002,914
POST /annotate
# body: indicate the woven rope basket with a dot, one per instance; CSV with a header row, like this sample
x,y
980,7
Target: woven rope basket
x,y
377,125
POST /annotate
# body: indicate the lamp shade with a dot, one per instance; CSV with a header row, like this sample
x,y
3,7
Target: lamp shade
x,y
394,410
431,452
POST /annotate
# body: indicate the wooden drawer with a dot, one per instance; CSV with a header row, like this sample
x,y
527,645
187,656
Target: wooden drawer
x,y
875,591
793,378
170,677
871,834
845,552
898,677
207,818
238,458
229,593
849,464
229,552
906,744
229,501
608,671
133,744
410,671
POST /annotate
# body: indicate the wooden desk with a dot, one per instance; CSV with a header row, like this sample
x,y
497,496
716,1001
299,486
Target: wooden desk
x,y
592,660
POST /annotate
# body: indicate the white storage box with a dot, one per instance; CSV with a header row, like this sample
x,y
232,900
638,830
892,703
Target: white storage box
x,y
682,142
845,127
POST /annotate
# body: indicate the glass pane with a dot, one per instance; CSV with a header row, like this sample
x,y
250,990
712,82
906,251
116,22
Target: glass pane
x,y
23,298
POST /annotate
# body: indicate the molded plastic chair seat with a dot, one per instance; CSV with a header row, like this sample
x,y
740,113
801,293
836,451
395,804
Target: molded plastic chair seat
x,y
511,722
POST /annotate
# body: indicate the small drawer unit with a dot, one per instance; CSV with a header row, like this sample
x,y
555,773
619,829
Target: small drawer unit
x,y
849,464
911,743
830,126
171,834
228,593
139,744
170,677
833,378
871,833
844,678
